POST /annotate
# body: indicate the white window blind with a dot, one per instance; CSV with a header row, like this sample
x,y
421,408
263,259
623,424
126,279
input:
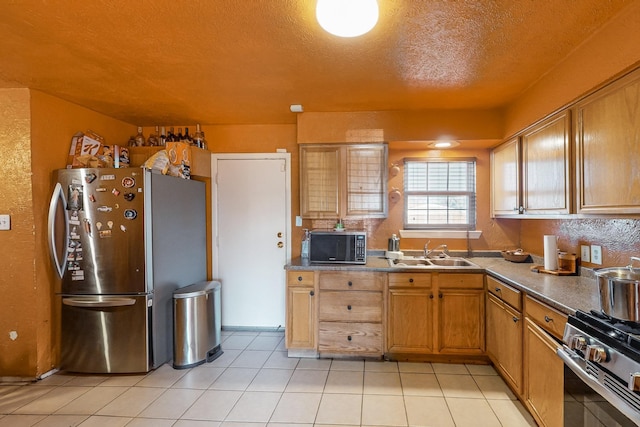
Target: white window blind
x,y
440,193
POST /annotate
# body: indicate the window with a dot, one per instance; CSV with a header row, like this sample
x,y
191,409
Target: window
x,y
440,194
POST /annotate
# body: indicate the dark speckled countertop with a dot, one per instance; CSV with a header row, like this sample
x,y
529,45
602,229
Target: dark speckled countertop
x,y
565,293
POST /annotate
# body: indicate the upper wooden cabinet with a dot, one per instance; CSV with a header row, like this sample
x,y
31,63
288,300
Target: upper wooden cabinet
x,y
343,181
530,173
608,148
505,179
546,157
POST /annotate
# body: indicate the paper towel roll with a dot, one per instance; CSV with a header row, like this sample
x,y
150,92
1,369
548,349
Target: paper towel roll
x,y
550,252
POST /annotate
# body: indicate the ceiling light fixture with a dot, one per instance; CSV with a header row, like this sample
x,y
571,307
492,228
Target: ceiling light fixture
x,y
443,144
347,18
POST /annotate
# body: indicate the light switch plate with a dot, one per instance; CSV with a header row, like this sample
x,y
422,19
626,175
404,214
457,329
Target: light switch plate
x,y
298,221
585,253
596,254
5,222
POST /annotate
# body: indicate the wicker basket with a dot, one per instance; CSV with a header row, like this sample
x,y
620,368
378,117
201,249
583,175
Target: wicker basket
x,y
515,256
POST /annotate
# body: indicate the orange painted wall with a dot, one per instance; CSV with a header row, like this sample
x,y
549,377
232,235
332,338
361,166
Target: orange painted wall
x,y
36,132
611,52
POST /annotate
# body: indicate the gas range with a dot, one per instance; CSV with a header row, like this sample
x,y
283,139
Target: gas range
x,y
604,352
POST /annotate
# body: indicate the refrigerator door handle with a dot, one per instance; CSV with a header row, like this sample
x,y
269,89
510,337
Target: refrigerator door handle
x,y
105,302
56,198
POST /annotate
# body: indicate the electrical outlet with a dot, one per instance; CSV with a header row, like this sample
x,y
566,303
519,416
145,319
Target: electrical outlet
x,y
596,254
5,222
298,221
585,253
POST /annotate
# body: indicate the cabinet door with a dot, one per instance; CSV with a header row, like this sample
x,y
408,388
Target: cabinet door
x,y
367,181
543,377
545,163
505,179
493,327
608,148
510,338
461,322
301,321
410,322
320,181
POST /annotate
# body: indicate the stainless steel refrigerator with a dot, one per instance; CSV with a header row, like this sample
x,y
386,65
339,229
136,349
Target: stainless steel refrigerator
x,y
122,240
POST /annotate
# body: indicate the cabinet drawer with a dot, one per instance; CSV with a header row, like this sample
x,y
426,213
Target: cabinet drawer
x,y
301,278
461,281
548,318
338,337
349,280
506,293
409,280
350,306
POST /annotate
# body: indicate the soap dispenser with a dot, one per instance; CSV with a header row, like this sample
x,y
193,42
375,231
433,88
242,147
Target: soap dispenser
x,y
304,252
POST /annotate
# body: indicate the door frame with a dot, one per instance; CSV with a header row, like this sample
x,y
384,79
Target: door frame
x,y
214,197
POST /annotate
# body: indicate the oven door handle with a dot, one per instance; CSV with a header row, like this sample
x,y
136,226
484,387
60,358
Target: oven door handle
x,y
611,397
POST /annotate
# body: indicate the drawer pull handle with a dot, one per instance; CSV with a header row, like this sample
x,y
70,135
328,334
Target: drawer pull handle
x,y
515,319
312,293
350,283
411,280
299,278
349,307
498,290
548,319
349,338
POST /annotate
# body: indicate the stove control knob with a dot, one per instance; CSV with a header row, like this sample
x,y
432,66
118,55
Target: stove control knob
x,y
578,343
596,353
634,381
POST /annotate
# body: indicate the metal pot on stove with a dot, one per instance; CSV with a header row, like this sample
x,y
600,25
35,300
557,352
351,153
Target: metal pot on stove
x,y
619,291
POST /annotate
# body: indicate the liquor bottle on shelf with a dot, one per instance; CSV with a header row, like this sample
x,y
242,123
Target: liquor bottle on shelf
x,y
198,137
171,136
154,137
187,137
179,136
140,139
163,137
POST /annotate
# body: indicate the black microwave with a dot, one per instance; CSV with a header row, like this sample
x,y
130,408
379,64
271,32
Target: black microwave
x,y
339,247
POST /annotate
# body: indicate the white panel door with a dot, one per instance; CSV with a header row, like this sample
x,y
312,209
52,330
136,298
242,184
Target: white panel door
x,y
251,226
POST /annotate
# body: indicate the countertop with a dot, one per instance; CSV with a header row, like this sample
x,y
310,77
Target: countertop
x,y
565,293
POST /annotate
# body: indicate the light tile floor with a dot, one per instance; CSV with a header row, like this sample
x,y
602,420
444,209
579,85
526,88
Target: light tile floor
x,y
254,383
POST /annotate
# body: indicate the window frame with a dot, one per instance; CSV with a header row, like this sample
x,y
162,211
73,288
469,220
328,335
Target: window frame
x,y
470,194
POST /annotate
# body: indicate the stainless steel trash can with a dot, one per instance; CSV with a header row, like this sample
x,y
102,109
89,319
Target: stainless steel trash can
x,y
196,324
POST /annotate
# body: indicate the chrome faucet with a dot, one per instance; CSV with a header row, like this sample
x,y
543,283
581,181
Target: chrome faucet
x,y
444,251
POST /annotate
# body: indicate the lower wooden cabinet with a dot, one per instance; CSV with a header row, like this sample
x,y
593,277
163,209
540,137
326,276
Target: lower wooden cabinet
x,y
410,313
504,328
543,369
543,377
301,320
350,313
436,313
461,322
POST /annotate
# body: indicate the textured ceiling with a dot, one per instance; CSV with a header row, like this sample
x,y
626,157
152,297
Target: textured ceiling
x,y
151,62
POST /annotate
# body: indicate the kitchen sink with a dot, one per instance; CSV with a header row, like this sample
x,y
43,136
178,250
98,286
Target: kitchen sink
x,y
413,262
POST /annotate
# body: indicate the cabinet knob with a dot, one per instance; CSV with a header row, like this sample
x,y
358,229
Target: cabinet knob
x,y
548,319
515,319
349,307
350,283
299,278
312,293
411,280
439,295
498,290
430,296
349,338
